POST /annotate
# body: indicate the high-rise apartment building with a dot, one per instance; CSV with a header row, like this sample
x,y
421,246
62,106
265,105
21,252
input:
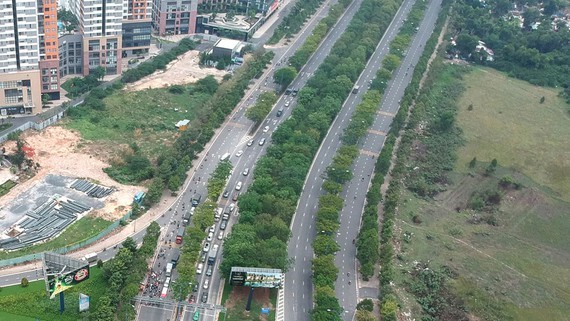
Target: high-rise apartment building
x,y
28,48
137,29
174,17
100,24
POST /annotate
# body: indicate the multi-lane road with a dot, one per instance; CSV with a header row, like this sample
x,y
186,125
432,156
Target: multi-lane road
x,y
298,283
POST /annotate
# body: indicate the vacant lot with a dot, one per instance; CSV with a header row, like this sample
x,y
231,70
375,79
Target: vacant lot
x,y
518,268
146,117
237,299
509,123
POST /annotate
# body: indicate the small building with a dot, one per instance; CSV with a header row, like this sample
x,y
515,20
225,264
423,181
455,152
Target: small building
x,y
227,48
182,125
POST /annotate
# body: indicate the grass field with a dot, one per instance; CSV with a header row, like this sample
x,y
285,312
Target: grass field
x,y
518,269
83,229
235,299
509,123
146,117
32,302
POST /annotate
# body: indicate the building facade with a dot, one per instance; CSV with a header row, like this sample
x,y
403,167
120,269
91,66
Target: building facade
x,y
70,54
137,29
27,45
100,25
174,17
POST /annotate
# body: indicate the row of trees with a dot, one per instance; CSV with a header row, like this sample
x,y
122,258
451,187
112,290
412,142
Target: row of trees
x,y
301,56
389,305
80,85
539,56
296,18
123,275
218,179
262,107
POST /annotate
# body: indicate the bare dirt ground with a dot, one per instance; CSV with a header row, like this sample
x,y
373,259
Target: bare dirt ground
x,y
181,71
58,151
239,295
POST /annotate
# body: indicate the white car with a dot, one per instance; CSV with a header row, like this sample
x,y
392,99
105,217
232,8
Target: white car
x,y
206,247
265,129
212,228
232,207
199,268
245,172
192,210
239,153
221,235
250,143
210,237
206,284
262,141
287,104
238,186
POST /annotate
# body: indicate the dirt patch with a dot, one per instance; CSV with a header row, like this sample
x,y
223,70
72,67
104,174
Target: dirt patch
x,y
58,152
184,70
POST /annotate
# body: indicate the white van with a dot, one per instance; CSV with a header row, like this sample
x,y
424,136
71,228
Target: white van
x,y
224,157
169,267
199,268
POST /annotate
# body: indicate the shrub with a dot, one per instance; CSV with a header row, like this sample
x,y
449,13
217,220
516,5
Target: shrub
x,y
24,283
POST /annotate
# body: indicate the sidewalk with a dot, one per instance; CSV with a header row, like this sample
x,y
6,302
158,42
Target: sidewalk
x,y
269,22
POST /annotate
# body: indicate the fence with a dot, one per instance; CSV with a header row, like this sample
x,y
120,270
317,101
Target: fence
x,y
63,250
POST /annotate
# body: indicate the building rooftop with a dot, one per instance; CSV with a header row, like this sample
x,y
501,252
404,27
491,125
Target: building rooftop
x,y
228,44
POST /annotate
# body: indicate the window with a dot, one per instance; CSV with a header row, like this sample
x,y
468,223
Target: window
x,y
54,87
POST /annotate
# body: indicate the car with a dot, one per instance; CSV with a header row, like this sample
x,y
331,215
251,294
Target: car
x,y
221,235
238,186
204,297
250,143
223,225
265,129
232,207
210,237
239,153
226,194
206,247
196,316
199,268
287,103
206,284
192,299
261,142
235,197
203,258
195,287
245,172
209,271
212,228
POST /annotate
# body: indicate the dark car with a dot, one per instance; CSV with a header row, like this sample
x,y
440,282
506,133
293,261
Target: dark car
x,y
223,225
235,198
204,297
226,194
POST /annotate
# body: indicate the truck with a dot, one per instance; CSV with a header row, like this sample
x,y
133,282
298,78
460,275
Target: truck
x,y
139,197
169,267
91,257
180,235
224,157
175,256
212,255
196,200
186,218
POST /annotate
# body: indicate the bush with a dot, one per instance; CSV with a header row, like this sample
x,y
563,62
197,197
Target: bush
x,y
24,283
366,304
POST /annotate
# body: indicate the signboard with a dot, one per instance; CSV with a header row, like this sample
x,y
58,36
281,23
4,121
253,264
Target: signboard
x,y
83,302
256,277
61,282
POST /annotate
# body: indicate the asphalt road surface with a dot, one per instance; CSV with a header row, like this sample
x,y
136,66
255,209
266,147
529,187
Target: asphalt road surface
x,y
298,283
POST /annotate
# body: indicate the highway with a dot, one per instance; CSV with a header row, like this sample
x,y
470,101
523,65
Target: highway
x,y
298,283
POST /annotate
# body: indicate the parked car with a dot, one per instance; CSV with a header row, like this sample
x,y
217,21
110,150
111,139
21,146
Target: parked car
x,y
232,207
206,284
210,237
204,297
206,247
199,268
235,197
209,271
212,228
226,194
221,235
223,225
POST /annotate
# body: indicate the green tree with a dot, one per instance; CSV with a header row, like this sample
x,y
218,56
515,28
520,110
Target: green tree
x,y
204,215
284,76
130,244
174,183
391,62
98,73
466,44
24,282
363,315
45,100
105,311
389,309
154,192
262,107
324,271
530,15
19,157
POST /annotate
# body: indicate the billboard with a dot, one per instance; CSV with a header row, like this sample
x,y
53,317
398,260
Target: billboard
x,y
58,283
256,277
83,302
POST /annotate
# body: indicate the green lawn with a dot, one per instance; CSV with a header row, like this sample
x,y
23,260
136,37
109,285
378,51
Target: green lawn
x,y
83,229
509,123
519,269
32,302
146,117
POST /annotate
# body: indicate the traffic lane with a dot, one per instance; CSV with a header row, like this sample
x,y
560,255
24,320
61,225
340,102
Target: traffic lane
x,y
154,313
